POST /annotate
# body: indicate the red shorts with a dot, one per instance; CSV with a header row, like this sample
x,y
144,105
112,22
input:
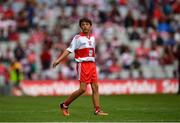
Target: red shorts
x,y
87,72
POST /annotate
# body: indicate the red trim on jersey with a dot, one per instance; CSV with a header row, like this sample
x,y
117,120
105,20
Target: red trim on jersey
x,y
82,34
86,52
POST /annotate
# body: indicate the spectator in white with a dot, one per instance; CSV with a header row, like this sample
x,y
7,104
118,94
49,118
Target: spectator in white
x,y
154,55
126,59
5,24
51,16
116,43
177,36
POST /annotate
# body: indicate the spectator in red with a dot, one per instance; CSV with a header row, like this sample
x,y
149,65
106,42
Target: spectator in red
x,y
1,9
45,58
158,13
176,6
9,13
114,67
13,34
168,57
37,35
22,22
123,2
142,53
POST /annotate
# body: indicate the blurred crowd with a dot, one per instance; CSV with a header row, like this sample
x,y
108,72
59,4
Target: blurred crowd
x,y
134,38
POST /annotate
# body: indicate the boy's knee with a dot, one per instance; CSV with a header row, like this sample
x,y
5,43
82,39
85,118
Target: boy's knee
x,y
82,90
95,89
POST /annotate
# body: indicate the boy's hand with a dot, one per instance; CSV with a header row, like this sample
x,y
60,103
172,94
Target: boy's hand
x,y
60,58
55,63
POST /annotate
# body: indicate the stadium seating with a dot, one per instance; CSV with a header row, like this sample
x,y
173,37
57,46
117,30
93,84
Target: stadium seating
x,y
53,25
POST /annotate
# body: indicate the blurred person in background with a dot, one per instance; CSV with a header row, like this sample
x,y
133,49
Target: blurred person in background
x,y
154,55
45,58
4,83
114,68
178,71
16,76
19,52
29,66
13,35
168,60
22,22
142,53
168,56
127,59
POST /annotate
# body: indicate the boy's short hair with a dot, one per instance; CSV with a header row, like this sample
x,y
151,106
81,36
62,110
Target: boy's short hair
x,y
85,20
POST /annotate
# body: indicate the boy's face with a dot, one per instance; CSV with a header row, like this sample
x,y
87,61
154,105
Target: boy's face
x,y
86,27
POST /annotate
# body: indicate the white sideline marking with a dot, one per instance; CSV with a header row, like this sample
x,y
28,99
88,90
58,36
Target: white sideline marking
x,y
30,111
144,109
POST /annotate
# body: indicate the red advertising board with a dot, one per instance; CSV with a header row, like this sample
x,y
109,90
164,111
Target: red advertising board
x,y
106,87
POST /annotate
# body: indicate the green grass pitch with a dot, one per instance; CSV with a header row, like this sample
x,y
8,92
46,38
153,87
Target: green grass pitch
x,y
121,108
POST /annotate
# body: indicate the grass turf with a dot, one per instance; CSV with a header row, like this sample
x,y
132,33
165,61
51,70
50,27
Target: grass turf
x,y
121,108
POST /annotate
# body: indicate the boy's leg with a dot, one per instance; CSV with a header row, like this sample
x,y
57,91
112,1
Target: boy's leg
x,y
72,97
95,97
95,94
76,93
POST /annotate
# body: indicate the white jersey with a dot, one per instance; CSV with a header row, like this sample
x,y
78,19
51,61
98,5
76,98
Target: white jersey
x,y
84,48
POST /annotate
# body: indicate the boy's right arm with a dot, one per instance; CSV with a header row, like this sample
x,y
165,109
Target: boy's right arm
x,y
69,50
60,58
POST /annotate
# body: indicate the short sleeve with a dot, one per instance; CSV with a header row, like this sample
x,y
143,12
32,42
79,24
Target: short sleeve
x,y
74,45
